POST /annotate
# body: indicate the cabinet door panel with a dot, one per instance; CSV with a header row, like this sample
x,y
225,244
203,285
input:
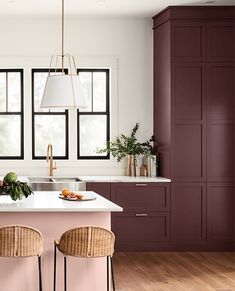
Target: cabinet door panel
x,y
187,155
220,41
142,229
188,41
220,152
220,92
188,211
220,211
101,188
141,196
187,92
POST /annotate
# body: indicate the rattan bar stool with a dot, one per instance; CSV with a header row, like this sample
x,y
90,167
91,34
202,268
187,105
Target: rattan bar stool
x,y
85,242
17,241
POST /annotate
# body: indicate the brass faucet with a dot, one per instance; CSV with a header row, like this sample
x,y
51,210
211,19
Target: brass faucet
x,y
50,157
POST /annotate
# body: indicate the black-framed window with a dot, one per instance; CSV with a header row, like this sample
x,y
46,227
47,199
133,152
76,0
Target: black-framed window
x,y
11,114
48,126
93,123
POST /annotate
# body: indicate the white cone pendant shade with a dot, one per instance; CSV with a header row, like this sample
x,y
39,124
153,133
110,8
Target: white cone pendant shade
x,y
63,91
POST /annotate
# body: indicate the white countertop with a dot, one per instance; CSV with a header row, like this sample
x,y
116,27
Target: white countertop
x,y
43,201
104,178
124,179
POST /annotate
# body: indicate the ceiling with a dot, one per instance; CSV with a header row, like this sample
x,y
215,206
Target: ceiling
x,y
134,8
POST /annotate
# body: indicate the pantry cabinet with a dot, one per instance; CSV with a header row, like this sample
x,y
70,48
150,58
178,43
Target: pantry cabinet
x,y
194,112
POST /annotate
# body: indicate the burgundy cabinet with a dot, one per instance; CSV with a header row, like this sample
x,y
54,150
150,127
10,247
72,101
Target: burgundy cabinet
x,y
188,41
145,220
189,211
220,121
220,211
188,91
140,231
188,122
102,188
220,41
220,151
141,196
188,153
194,113
220,91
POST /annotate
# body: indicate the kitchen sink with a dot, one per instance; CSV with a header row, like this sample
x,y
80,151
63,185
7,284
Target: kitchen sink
x,y
40,180
56,183
66,179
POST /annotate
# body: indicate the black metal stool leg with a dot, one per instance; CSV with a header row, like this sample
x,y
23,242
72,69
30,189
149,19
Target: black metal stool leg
x,y
111,260
65,274
107,273
54,283
40,273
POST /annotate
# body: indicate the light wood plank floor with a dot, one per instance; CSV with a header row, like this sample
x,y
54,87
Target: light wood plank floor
x,y
169,271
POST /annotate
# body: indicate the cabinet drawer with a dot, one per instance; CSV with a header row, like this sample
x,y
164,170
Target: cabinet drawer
x,y
141,227
141,196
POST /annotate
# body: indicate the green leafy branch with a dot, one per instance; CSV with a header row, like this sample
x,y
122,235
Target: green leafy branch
x,y
128,145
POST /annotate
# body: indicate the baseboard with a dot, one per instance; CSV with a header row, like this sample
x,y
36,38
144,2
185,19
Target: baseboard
x,y
186,246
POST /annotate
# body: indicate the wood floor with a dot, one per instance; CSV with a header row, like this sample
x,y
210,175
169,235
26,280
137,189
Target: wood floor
x,y
175,271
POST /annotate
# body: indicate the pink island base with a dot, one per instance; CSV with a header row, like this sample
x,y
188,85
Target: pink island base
x,y
21,274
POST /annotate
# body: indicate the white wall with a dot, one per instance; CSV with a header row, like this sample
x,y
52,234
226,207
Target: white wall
x,y
122,44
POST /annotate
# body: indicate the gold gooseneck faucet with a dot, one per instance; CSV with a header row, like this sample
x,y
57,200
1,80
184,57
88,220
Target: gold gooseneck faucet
x,y
50,157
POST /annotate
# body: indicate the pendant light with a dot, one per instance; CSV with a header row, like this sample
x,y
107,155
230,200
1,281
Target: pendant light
x,y
63,90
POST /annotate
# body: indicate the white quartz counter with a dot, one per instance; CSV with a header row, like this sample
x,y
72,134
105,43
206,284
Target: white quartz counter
x,y
107,179
48,201
124,179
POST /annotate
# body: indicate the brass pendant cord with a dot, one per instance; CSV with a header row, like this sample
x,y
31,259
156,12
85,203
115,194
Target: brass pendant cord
x,y
62,38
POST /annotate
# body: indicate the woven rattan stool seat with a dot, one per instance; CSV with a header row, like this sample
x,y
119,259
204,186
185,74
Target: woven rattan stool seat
x,y
86,242
17,241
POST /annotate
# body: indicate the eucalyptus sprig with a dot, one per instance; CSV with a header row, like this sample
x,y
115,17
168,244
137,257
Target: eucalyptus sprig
x,y
128,145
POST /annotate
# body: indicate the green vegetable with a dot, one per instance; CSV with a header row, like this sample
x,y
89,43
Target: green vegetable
x,y
10,177
17,190
26,189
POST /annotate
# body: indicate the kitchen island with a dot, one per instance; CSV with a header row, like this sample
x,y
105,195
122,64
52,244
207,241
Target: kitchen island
x,y
52,216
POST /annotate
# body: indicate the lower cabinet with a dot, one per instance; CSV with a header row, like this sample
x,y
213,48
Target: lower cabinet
x,y
220,211
140,231
145,219
188,211
171,216
202,216
102,188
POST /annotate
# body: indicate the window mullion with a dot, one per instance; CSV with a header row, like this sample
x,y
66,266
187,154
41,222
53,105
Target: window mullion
x,y
6,92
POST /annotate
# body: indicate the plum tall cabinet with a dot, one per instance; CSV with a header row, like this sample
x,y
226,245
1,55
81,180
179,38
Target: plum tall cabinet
x,y
194,83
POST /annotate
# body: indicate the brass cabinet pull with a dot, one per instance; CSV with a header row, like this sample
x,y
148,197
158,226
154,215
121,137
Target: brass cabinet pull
x,y
140,185
141,214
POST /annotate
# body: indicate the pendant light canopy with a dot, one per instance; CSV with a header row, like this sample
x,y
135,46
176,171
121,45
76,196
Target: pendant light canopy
x,y
63,90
